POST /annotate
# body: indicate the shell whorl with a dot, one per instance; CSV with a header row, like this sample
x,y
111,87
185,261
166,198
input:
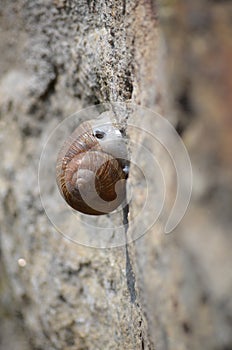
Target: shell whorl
x,y
91,180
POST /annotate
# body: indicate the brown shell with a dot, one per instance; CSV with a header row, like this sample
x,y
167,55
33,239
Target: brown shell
x,y
87,177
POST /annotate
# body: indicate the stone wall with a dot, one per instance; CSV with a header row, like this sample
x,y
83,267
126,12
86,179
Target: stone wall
x,y
162,291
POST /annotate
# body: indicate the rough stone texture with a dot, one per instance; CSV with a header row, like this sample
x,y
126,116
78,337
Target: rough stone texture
x,y
163,292
60,56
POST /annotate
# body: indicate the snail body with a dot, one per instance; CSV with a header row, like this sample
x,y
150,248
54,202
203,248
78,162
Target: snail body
x,y
90,171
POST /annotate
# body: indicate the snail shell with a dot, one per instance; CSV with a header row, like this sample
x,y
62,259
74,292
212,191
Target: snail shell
x,y
89,170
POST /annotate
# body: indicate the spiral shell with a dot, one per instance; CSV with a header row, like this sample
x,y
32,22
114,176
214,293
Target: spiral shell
x,y
89,170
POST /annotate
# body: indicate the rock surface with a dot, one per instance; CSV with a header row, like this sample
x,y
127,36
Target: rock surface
x,y
60,56
162,291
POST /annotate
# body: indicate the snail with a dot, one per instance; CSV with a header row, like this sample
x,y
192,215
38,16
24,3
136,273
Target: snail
x,y
92,167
